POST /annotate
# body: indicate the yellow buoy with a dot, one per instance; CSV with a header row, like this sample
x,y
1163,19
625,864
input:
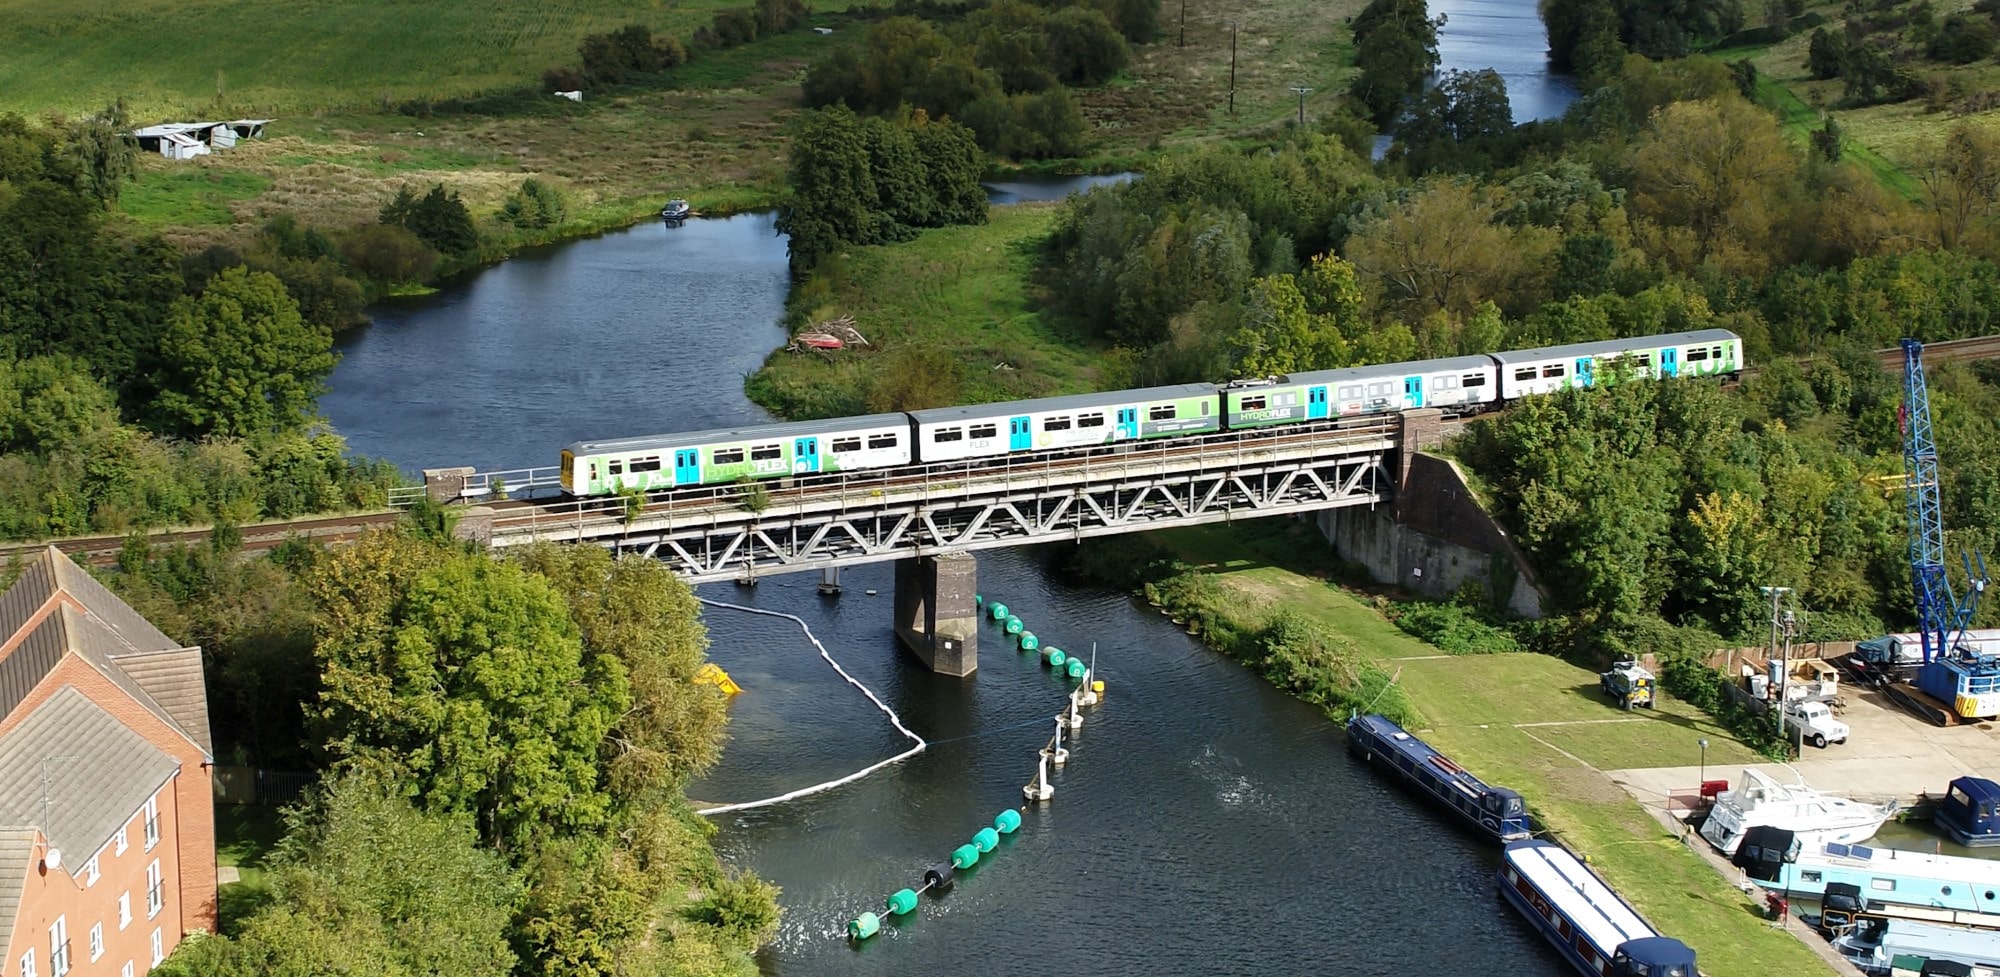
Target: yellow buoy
x,y
713,674
1097,687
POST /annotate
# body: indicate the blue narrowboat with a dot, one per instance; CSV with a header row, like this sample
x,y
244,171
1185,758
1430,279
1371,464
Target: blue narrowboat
x,y
1970,812
1495,811
1600,934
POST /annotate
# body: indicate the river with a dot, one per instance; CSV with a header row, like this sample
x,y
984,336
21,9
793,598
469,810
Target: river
x,y
1206,824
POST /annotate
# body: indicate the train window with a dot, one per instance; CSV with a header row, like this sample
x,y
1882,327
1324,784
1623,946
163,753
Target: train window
x,y
882,440
1524,374
1715,352
1205,405
1090,420
1258,402
1472,380
943,434
1378,390
1643,361
645,465
1553,370
1162,412
728,456
766,452
978,431
1443,383
842,445
616,468
1055,424
1697,355
1350,393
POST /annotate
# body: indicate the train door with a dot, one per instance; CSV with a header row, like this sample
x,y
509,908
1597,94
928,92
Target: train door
x,y
1315,403
1670,362
1584,368
1128,424
687,466
805,455
1019,436
1413,392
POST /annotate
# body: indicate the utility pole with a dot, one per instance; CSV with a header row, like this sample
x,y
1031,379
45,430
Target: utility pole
x,y
1232,67
1183,41
1778,694
1301,91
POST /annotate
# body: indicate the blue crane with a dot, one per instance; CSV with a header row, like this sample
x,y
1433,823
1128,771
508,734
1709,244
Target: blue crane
x,y
1969,684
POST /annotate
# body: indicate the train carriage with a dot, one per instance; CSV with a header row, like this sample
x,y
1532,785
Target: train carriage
x,y
1054,423
1703,352
1462,384
727,455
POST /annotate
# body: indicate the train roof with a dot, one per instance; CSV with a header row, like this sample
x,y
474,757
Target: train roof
x,y
1636,343
1111,398
1443,364
753,432
1578,894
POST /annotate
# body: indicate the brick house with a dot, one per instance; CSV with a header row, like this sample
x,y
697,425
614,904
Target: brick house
x,y
107,816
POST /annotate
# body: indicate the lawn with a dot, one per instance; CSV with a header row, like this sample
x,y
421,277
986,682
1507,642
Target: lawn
x,y
244,834
192,194
1534,723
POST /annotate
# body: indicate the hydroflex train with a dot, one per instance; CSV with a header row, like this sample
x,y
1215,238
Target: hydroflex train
x,y
1457,385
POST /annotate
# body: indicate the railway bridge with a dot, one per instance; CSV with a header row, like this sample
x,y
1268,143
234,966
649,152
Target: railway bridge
x,y
930,519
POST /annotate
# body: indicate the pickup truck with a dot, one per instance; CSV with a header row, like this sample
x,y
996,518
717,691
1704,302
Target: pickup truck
x,y
1814,722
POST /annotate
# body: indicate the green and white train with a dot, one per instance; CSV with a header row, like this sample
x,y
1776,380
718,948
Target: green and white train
x,y
1458,385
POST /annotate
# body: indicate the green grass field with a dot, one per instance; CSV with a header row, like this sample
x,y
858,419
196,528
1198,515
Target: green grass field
x,y
1536,724
287,58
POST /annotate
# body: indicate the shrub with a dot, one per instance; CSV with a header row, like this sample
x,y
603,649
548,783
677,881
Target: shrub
x,y
735,27
1455,628
779,16
388,254
536,205
439,218
563,78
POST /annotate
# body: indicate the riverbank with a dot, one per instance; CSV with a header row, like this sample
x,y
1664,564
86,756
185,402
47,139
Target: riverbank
x,y
1528,721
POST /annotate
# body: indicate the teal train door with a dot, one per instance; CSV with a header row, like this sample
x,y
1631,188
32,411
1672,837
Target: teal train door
x,y
1018,436
1128,424
1413,392
687,466
1583,371
805,455
1670,362
1315,403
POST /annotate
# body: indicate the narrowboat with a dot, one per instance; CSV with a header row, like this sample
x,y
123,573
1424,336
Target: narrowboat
x,y
1873,944
1946,888
1970,812
1600,934
1494,811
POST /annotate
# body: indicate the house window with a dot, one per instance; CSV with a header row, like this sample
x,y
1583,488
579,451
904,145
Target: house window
x,y
877,442
728,456
766,452
1524,374
1090,420
124,909
156,890
59,946
125,971
979,431
118,844
1055,424
90,872
152,822
159,948
1162,412
943,434
1553,370
96,941
28,964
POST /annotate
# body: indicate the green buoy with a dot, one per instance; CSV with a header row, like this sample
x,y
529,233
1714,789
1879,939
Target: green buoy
x,y
1077,668
999,611
901,901
985,839
867,925
964,856
1015,625
1007,821
1029,642
978,602
1055,657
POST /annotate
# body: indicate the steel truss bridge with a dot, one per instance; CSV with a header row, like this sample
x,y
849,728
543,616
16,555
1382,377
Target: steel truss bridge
x,y
818,522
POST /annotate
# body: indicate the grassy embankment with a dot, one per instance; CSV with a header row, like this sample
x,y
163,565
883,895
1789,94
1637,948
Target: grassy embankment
x,y
1529,721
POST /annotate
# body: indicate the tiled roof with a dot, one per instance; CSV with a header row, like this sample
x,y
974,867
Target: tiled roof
x,y
70,630
77,773
174,680
17,850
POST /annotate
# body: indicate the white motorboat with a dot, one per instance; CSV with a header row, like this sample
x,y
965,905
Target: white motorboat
x,y
1816,819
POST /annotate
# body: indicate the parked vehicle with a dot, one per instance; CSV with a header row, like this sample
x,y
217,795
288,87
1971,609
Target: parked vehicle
x,y
1628,684
1813,723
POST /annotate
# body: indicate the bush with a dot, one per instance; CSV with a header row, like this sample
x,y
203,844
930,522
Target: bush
x,y
779,16
1691,680
438,218
1455,628
563,78
388,254
536,205
734,28
627,51
1963,39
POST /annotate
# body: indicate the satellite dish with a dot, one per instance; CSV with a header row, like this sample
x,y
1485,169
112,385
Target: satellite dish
x,y
53,859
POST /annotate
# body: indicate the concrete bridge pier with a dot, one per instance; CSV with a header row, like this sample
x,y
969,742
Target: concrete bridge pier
x,y
935,617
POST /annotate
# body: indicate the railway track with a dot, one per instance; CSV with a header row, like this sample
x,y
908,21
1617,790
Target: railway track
x,y
103,550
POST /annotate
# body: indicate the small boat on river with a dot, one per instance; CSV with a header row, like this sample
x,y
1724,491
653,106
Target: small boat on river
x,y
1970,812
676,210
1816,819
1600,934
1495,812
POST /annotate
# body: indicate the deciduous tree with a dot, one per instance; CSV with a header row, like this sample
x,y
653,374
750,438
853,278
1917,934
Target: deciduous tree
x,y
240,360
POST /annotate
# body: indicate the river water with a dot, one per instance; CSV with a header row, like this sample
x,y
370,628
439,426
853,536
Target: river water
x,y
1206,824
1506,36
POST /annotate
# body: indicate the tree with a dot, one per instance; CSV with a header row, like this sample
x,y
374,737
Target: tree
x,y
240,360
99,156
536,205
1826,53
1395,51
1719,170
1583,38
1963,38
1084,47
1962,187
832,188
465,678
1442,249
438,218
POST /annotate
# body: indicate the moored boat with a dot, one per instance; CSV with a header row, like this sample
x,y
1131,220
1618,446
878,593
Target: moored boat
x,y
1874,945
1816,819
1599,933
1493,811
1933,883
676,210
1969,811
